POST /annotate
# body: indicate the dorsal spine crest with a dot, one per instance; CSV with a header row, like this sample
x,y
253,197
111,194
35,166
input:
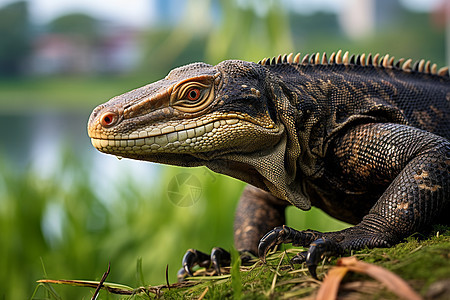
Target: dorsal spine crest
x,y
384,62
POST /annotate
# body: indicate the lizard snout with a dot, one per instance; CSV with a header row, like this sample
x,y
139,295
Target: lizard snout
x,y
103,118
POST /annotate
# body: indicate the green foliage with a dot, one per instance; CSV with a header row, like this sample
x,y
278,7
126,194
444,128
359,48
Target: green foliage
x,y
15,38
75,24
23,95
245,34
67,226
236,282
421,263
89,232
424,260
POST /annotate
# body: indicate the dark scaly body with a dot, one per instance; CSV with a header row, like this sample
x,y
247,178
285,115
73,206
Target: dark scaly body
x,y
367,142
339,97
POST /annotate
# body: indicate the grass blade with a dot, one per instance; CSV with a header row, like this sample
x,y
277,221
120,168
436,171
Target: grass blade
x,y
236,281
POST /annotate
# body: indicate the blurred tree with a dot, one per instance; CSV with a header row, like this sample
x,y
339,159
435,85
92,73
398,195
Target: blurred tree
x,y
250,30
214,30
14,42
79,38
75,24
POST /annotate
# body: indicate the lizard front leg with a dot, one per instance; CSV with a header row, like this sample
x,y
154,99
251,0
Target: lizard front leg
x,y
257,212
413,168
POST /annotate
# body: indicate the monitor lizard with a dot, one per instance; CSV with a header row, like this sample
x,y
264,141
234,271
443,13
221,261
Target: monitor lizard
x,y
364,138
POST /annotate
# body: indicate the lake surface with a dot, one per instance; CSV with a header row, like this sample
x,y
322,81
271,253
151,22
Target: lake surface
x,y
38,140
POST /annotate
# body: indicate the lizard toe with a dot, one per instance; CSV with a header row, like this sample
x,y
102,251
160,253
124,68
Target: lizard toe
x,y
217,259
220,258
285,235
299,258
191,258
317,250
271,239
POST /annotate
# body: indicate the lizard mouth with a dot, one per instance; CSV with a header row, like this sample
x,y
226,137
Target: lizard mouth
x,y
228,134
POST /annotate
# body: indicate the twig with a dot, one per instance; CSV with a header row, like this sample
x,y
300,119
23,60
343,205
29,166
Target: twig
x,y
167,276
289,260
203,294
274,281
105,275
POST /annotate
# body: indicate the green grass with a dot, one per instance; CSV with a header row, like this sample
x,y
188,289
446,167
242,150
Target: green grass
x,y
65,225
140,231
423,263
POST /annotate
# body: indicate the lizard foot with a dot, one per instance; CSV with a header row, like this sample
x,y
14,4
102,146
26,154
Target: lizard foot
x,y
284,235
318,246
215,261
218,258
326,244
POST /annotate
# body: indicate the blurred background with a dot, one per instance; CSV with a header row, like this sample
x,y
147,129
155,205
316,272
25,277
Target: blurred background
x,y
67,210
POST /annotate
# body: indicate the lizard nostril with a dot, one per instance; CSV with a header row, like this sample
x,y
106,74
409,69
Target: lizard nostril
x,y
109,119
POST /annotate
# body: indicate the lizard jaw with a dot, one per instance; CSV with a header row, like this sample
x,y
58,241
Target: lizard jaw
x,y
215,137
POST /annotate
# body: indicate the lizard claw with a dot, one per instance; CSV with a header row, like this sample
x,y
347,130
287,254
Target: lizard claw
x,y
299,258
194,257
318,247
312,271
218,258
313,256
283,235
317,250
271,239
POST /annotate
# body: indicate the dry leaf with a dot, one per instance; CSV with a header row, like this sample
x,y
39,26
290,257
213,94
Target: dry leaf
x,y
394,283
330,286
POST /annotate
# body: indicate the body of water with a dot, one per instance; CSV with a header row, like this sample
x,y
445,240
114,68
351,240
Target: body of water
x,y
38,142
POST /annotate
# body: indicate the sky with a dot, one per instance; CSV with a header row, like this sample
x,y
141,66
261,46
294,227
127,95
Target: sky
x,y
130,12
134,12
138,13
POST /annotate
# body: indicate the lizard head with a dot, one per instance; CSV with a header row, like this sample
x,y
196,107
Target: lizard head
x,y
231,117
196,114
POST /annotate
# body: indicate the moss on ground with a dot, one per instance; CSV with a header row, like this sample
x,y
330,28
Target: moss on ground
x,y
423,262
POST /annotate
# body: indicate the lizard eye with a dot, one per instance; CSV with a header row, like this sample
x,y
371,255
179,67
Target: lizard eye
x,y
193,94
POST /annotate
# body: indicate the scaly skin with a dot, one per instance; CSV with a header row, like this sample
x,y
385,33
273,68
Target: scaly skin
x,y
364,139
